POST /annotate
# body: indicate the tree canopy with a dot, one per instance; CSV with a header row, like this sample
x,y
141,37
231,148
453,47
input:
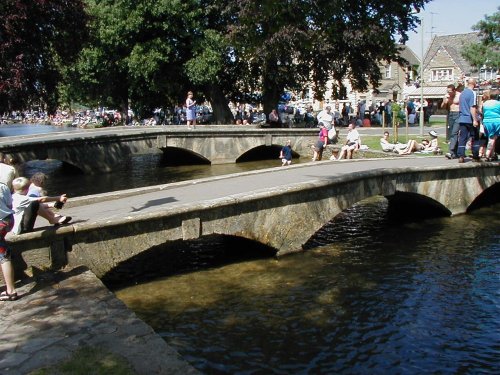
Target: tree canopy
x,y
150,53
135,53
36,38
488,51
294,43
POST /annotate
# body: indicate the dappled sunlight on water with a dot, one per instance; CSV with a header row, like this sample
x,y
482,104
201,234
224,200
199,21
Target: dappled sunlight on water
x,y
376,297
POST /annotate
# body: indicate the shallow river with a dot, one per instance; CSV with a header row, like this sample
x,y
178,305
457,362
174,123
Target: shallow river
x,y
378,297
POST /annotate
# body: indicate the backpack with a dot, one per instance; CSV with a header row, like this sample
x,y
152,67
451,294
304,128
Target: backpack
x,y
332,135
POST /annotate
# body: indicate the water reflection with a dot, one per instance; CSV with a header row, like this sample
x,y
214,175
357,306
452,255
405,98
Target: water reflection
x,y
377,297
138,171
10,130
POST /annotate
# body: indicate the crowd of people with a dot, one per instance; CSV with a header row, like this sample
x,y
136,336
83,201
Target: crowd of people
x,y
472,123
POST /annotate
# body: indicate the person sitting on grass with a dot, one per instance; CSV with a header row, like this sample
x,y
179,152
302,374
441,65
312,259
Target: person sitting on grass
x,y
26,209
388,146
426,146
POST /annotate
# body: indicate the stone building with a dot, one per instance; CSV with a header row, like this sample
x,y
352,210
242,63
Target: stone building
x,y
444,65
395,78
393,84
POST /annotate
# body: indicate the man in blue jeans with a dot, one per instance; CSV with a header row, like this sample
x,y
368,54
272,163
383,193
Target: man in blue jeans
x,y
468,121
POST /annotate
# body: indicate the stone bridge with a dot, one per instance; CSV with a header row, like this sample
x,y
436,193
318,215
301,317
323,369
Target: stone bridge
x,y
101,150
280,207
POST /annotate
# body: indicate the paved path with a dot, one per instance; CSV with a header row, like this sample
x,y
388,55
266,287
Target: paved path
x,y
104,207
128,130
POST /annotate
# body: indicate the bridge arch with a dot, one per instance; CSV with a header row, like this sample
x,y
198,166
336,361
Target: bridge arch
x,y
182,156
263,152
415,205
175,257
487,197
50,165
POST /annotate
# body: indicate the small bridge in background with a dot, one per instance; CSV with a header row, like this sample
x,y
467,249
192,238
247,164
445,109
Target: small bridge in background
x,y
101,150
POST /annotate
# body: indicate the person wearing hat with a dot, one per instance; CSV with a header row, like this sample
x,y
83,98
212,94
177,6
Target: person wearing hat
x,y
426,146
321,143
433,145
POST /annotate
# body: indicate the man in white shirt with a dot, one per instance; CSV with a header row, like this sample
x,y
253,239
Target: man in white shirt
x,y
353,142
326,117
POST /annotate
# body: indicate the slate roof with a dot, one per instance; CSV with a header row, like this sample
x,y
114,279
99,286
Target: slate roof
x,y
453,44
408,54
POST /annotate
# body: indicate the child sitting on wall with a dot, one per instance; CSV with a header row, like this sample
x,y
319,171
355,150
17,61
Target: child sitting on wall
x,y
26,209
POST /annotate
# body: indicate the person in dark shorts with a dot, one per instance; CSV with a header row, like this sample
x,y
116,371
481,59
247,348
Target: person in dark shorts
x,y
286,154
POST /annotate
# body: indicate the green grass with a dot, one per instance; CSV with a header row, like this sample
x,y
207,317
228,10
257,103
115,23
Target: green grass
x,y
373,142
87,361
437,122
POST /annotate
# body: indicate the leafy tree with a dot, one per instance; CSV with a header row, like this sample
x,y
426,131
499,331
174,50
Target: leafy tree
x,y
36,38
289,44
488,51
214,66
135,54
151,52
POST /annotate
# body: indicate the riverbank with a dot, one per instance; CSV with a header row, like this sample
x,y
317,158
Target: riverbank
x,y
60,313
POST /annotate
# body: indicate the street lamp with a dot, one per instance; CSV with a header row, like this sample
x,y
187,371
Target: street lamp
x,y
421,117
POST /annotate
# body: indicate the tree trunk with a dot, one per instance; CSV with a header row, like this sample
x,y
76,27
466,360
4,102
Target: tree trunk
x,y
220,105
271,89
270,97
124,111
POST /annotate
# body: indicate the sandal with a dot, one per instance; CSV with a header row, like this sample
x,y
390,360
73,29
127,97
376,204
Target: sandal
x,y
4,296
63,220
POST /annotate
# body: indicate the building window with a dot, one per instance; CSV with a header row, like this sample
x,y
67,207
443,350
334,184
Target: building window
x,y
388,71
442,75
486,74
